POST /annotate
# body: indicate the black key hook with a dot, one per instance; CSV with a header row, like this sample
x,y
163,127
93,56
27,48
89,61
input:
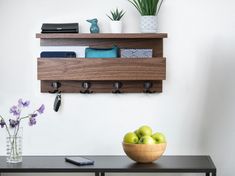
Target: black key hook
x,y
147,86
56,86
117,86
86,86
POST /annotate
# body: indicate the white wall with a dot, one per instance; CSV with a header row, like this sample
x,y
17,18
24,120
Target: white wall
x,y
195,110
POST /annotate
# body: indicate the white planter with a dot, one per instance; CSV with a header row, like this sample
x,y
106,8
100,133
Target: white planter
x,y
149,24
116,26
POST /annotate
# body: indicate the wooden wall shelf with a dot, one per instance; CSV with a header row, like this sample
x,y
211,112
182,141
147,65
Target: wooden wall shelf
x,y
103,73
102,69
102,36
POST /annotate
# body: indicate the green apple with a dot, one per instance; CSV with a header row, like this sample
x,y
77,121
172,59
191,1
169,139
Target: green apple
x,y
144,131
131,138
147,140
159,138
136,132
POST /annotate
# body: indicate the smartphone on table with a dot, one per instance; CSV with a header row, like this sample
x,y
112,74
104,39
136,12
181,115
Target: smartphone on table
x,y
80,161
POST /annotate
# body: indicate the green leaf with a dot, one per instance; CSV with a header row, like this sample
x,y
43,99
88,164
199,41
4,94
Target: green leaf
x,y
116,14
142,5
150,7
121,15
147,7
134,2
110,17
154,7
159,7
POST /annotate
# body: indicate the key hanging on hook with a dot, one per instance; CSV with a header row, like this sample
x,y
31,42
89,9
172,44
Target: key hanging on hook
x,y
57,101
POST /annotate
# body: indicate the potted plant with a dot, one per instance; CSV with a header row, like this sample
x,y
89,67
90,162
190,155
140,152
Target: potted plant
x,y
115,23
148,10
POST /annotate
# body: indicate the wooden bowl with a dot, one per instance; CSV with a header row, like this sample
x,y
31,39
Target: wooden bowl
x,y
144,153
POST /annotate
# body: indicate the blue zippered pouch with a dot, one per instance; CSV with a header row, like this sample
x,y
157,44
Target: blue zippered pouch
x,y
101,52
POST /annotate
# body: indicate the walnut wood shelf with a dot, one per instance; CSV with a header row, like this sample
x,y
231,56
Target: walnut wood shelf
x,y
102,69
102,36
103,73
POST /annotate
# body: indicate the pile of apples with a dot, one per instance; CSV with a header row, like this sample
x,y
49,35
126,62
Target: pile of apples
x,y
144,135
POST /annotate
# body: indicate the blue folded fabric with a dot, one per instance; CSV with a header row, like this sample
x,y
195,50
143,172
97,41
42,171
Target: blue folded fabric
x,y
101,52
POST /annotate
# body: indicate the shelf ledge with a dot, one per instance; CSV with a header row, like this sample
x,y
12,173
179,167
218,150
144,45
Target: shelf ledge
x,y
101,36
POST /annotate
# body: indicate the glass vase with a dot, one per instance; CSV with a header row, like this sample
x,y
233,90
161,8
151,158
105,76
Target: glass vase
x,y
14,147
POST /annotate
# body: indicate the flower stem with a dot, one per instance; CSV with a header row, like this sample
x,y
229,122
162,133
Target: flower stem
x,y
24,117
12,140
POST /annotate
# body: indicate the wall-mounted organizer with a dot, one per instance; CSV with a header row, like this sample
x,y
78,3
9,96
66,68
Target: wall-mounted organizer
x,y
119,75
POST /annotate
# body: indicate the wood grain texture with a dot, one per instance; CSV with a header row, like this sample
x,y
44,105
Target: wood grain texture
x,y
144,153
101,86
100,35
102,69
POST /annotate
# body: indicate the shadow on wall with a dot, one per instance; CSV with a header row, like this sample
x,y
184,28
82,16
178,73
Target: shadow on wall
x,y
219,110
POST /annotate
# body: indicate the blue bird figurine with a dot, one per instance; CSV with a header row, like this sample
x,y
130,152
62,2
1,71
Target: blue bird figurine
x,y
94,26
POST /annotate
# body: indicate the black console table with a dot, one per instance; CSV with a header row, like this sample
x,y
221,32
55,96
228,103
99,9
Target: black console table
x,y
112,164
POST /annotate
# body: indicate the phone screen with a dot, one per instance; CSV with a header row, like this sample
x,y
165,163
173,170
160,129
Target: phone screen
x,y
79,160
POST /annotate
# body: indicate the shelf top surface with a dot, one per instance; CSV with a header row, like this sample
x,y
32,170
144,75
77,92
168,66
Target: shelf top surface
x,y
101,36
118,59
109,164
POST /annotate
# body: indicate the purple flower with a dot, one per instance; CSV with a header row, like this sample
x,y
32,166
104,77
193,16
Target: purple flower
x,y
2,123
41,109
15,111
34,115
23,104
32,121
13,123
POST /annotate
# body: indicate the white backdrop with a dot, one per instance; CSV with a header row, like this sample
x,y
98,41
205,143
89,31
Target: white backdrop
x,y
195,110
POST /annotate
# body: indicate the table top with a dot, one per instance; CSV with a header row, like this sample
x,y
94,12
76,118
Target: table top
x,y
110,164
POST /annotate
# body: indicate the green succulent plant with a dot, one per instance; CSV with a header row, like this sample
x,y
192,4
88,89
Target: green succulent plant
x,y
116,15
147,7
